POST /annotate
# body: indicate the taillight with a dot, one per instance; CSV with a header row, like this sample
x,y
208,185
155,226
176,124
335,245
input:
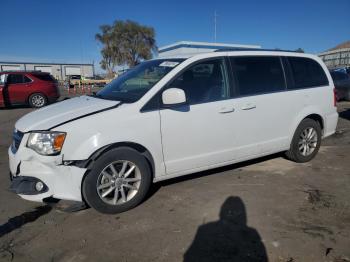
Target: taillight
x,y
335,97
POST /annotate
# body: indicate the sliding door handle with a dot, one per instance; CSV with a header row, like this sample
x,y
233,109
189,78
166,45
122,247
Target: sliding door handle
x,y
248,107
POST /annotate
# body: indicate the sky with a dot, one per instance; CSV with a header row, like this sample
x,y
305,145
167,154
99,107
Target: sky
x,y
64,31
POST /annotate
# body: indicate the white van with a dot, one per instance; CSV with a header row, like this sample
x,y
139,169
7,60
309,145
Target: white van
x,y
170,117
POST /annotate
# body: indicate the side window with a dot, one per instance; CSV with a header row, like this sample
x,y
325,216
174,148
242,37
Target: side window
x,y
204,82
15,79
258,74
307,73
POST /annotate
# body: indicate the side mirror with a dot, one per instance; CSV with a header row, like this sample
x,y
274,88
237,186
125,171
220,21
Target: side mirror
x,y
173,96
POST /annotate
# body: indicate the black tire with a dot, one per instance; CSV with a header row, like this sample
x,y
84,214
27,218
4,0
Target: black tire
x,y
37,100
89,187
294,153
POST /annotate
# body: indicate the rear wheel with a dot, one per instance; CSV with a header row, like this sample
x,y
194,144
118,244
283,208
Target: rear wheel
x,y
118,181
306,141
37,100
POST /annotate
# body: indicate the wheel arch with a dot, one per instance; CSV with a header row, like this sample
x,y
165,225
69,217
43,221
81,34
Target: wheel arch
x,y
138,147
88,163
36,92
311,112
318,118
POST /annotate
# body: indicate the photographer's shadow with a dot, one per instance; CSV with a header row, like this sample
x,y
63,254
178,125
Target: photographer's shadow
x,y
229,239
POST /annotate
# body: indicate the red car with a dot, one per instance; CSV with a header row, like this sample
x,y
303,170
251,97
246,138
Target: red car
x,y
36,89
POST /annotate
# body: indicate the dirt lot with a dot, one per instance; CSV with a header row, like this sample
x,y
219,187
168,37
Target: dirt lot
x,y
265,208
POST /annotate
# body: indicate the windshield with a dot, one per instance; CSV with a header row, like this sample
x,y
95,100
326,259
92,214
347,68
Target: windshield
x,y
132,85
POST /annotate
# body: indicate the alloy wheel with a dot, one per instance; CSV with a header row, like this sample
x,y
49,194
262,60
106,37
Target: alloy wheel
x,y
38,100
118,182
307,141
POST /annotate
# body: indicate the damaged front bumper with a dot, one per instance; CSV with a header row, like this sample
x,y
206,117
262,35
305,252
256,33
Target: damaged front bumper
x,y
59,181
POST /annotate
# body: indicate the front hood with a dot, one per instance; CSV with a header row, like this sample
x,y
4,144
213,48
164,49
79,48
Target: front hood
x,y
61,112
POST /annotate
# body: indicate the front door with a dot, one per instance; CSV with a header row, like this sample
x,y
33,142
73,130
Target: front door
x,y
200,133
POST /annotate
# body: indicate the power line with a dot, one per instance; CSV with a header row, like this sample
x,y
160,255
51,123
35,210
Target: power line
x,y
215,25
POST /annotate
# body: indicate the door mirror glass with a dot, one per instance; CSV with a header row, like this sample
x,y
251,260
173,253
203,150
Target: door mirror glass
x,y
173,96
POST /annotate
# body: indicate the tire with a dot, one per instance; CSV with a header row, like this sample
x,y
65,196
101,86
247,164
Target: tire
x,y
97,177
295,153
37,100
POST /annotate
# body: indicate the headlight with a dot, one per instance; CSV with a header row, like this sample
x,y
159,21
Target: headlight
x,y
46,143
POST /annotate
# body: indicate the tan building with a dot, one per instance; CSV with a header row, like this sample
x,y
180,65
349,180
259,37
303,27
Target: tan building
x,y
338,56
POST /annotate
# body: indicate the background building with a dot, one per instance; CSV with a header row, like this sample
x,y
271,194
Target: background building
x,y
338,56
186,48
59,71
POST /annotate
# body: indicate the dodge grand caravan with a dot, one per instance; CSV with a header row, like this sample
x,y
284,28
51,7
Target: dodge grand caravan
x,y
171,117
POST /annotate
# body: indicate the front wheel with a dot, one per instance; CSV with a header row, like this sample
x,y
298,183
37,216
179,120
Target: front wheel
x,y
118,181
306,141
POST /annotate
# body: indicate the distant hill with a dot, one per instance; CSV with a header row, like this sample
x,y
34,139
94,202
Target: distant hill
x,y
340,46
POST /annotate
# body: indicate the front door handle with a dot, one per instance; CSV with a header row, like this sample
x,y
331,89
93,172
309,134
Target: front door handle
x,y
226,110
248,107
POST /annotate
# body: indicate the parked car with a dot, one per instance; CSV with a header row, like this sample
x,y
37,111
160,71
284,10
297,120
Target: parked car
x,y
342,84
342,69
35,88
106,149
74,77
94,80
96,77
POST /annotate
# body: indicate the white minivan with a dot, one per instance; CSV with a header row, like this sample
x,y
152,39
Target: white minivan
x,y
171,117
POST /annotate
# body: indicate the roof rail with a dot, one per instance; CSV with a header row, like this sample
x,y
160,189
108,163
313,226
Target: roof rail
x,y
253,49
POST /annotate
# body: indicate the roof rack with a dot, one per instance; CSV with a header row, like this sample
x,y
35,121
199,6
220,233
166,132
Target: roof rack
x,y
253,49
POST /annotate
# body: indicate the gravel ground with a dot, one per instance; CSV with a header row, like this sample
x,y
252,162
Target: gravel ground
x,y
267,209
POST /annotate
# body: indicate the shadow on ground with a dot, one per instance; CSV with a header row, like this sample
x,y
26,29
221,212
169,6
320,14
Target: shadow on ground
x,y
155,187
14,107
228,239
27,217
345,114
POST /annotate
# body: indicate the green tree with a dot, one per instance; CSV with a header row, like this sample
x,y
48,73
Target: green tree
x,y
125,43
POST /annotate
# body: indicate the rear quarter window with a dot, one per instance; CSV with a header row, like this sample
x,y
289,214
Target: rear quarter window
x,y
306,72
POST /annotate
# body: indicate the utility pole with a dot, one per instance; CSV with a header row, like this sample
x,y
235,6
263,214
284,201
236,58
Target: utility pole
x,y
215,22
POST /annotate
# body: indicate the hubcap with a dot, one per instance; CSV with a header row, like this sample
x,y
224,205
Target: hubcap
x,y
38,101
119,182
307,141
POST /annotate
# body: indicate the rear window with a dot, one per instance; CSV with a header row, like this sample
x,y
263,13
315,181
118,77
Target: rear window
x,y
44,77
258,74
339,76
306,72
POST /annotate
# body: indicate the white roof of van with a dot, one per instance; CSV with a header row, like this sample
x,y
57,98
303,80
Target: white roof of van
x,y
246,51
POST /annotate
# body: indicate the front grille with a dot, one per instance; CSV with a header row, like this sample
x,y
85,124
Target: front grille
x,y
16,140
